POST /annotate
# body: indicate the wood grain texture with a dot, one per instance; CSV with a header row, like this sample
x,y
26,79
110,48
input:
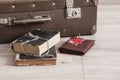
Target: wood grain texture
x,y
100,63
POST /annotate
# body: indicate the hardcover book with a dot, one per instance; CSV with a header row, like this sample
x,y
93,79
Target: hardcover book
x,y
48,58
36,42
76,46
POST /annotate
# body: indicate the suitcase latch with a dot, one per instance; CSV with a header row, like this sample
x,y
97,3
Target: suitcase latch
x,y
13,21
72,12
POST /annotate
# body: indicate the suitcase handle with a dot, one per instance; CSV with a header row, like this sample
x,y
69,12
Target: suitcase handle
x,y
13,21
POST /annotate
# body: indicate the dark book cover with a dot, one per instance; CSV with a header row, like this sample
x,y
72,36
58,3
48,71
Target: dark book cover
x,y
48,58
36,42
78,49
51,53
36,37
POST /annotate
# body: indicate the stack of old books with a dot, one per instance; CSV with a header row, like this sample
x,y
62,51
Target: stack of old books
x,y
36,48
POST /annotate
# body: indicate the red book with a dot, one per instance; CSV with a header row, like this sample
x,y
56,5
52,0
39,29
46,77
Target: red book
x,y
76,46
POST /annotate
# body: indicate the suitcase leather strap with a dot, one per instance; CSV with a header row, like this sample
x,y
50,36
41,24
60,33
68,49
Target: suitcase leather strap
x,y
71,11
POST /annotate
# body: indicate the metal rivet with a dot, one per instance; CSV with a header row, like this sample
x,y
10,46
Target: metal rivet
x,y
53,4
96,2
13,6
64,30
93,31
33,5
88,1
94,27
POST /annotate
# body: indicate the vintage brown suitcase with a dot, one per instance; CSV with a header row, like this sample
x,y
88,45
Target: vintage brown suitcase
x,y
70,17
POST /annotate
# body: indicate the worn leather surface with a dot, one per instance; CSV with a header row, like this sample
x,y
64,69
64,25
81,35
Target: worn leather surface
x,y
80,49
6,6
67,27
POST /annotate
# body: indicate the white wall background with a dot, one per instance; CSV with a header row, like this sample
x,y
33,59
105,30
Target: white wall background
x,y
109,2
